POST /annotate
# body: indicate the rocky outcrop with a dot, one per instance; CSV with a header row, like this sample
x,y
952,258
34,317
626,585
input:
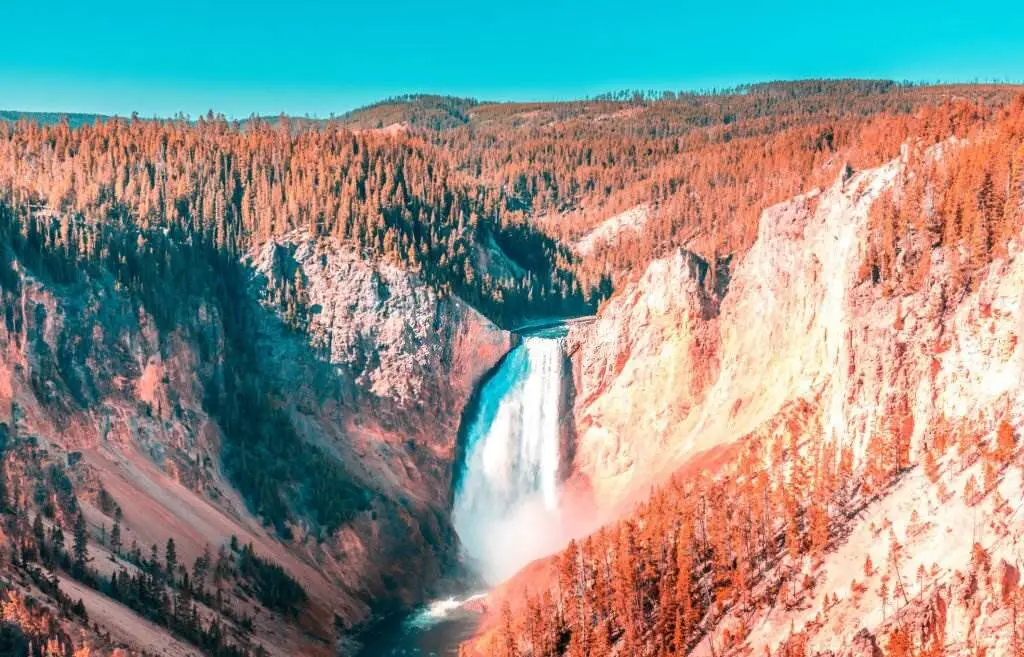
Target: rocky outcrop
x,y
639,369
393,363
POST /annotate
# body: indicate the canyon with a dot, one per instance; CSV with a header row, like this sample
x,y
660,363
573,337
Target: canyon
x,y
668,359
387,437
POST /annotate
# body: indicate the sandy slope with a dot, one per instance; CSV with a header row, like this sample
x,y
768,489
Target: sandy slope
x,y
124,625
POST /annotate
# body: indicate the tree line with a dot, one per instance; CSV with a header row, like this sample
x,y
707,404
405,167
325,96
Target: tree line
x,y
734,542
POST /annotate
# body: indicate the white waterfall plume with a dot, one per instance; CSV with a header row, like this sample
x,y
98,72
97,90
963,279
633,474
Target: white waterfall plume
x,y
506,501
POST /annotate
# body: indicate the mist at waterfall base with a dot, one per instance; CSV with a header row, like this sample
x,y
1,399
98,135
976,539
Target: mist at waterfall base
x,y
506,507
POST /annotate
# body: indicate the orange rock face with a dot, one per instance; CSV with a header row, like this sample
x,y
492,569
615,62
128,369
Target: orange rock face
x,y
670,369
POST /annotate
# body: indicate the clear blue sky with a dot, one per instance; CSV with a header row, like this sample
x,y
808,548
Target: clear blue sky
x,y
306,57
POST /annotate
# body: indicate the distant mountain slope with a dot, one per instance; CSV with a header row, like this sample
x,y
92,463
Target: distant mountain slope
x,y
418,111
74,119
704,164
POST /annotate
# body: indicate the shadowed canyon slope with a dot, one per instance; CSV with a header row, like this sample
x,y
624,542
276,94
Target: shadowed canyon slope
x,y
375,385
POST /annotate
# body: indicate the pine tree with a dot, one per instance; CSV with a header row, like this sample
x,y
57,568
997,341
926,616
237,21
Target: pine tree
x,y
200,568
38,530
81,545
57,541
1005,442
171,555
899,644
507,637
153,565
971,494
602,641
3,484
931,466
989,476
115,535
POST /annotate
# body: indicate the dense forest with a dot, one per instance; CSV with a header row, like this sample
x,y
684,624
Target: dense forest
x,y
233,186
443,185
705,164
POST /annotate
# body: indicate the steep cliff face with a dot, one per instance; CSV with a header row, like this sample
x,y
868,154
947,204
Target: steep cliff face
x,y
672,373
798,322
373,378
640,369
404,360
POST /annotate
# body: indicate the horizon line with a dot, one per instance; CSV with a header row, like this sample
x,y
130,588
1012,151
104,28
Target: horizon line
x,y
649,94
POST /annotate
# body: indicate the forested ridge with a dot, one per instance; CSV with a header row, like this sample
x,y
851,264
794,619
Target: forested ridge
x,y
458,178
393,198
706,164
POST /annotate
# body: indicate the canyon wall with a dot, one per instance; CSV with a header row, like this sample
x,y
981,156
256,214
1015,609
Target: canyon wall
x,y
374,379
800,339
402,359
671,368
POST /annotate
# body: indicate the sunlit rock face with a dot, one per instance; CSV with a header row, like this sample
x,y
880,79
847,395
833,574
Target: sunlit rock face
x,y
674,366
802,344
506,509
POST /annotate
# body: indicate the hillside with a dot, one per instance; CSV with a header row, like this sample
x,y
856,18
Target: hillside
x,y
74,119
705,165
417,111
218,425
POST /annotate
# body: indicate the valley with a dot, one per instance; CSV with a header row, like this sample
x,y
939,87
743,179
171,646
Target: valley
x,y
716,374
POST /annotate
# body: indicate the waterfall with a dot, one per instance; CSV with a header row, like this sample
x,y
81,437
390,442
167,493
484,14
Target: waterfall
x,y
506,509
